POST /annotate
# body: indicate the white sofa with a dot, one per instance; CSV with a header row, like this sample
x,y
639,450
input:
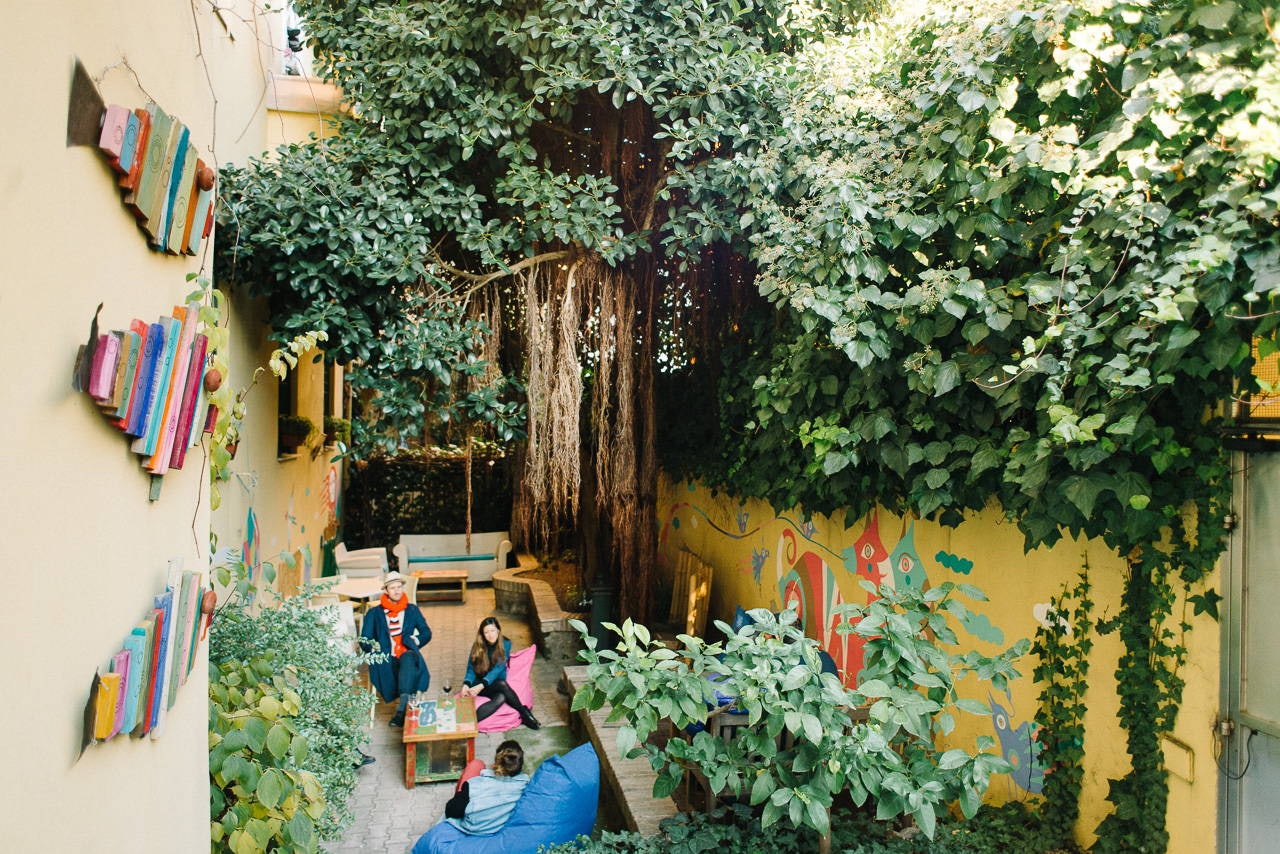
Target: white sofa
x,y
449,551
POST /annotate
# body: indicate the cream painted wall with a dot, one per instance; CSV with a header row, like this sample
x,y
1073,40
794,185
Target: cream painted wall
x,y
753,548
299,107
83,550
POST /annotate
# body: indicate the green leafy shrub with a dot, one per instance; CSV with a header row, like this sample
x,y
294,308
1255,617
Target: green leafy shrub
x,y
260,799
1010,829
331,712
803,744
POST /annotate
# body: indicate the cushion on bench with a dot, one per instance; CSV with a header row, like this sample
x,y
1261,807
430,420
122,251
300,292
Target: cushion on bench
x,y
558,805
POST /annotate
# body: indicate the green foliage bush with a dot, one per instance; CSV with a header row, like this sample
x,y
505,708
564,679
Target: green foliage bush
x,y
892,759
1010,829
294,641
260,799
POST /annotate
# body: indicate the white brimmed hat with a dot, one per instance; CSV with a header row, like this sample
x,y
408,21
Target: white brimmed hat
x,y
392,577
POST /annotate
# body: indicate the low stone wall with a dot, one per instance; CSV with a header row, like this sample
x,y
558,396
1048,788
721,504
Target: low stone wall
x,y
534,600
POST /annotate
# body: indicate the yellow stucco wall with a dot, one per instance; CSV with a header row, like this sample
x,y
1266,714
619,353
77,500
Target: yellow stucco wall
x,y
83,551
766,558
291,497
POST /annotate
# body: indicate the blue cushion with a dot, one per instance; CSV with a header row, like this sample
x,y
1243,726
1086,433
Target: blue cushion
x,y
558,805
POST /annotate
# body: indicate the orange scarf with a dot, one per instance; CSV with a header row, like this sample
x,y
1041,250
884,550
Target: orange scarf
x,y
394,612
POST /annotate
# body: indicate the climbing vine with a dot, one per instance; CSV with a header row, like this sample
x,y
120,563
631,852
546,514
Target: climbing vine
x,y
1021,252
1062,646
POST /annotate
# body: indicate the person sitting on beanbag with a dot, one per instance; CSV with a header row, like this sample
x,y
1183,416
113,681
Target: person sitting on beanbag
x,y
486,797
487,674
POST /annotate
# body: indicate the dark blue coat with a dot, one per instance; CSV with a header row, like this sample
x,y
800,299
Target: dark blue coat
x,y
415,635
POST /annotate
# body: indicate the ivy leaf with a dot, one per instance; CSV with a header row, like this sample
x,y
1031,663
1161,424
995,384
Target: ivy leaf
x,y
1082,491
1215,17
1205,603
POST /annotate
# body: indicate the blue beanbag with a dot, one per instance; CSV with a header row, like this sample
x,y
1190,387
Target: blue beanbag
x,y
558,805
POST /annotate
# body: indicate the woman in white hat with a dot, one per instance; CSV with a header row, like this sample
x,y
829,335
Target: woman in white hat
x,y
400,630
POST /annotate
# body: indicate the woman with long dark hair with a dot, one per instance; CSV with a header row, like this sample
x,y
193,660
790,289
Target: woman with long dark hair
x,y
487,674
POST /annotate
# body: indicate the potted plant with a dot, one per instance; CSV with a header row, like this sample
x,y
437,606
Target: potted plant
x,y
294,430
336,430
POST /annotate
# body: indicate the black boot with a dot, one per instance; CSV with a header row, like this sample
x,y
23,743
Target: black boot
x,y
527,718
397,720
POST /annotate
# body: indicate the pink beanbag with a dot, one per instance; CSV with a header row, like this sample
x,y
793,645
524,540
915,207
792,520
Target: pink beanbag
x,y
519,670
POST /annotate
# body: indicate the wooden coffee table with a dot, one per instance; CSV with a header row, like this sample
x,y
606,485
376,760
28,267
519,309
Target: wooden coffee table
x,y
446,752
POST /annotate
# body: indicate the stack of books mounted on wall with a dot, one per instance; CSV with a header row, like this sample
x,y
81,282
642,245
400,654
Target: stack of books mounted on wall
x,y
144,677
148,382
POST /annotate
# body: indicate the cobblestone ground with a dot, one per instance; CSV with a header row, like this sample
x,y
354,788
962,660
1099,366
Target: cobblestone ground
x,y
388,817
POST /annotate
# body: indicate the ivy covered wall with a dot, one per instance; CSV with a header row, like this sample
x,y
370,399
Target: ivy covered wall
x,y
766,557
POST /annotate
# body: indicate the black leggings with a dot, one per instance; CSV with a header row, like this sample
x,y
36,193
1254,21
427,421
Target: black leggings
x,y
497,693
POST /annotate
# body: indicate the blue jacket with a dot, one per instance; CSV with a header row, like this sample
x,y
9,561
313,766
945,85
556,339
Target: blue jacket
x,y
414,635
496,672
491,799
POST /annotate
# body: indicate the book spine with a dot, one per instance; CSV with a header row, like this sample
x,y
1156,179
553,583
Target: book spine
x,y
144,381
195,384
158,463
122,367
142,199
179,215
129,181
134,342
104,366
164,604
105,708
136,644
146,443
120,666
171,187
156,622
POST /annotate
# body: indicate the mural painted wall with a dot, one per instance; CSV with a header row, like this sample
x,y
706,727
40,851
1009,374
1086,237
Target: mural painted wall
x,y
771,559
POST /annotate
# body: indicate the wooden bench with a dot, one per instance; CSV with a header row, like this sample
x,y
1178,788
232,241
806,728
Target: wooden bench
x,y
488,553
435,585
630,781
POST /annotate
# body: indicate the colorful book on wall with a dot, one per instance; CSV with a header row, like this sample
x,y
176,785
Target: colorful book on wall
x,y
164,604
129,181
203,212
158,461
115,122
196,623
141,199
192,632
173,153
147,699
136,643
181,193
104,366
191,395
178,670
111,404
144,381
136,337
104,711
120,667
145,444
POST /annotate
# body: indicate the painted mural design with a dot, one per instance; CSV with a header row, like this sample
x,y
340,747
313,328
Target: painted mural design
x,y
815,580
1019,747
